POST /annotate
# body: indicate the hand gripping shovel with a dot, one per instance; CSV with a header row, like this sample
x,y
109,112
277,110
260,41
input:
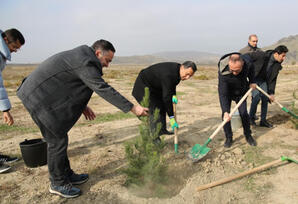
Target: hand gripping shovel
x,y
281,106
175,130
245,173
198,151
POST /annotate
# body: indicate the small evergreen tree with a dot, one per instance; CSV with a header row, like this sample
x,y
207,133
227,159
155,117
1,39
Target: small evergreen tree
x,y
145,162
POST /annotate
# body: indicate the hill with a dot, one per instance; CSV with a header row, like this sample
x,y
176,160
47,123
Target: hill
x,y
292,43
175,56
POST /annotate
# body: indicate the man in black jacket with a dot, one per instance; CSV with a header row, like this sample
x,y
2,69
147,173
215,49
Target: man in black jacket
x,y
56,94
162,79
232,85
267,66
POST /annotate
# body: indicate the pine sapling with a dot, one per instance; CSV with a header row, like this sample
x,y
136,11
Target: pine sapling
x,y
145,162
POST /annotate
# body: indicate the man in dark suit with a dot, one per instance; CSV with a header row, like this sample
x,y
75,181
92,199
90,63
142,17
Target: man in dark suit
x,y
234,80
10,41
162,79
57,93
267,66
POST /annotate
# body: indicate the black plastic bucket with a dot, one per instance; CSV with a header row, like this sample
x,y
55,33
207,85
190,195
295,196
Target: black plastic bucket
x,y
34,152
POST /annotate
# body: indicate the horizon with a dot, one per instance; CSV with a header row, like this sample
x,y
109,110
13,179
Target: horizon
x,y
144,28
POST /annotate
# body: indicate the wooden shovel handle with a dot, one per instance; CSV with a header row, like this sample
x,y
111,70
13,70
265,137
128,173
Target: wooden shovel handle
x,y
266,94
231,178
231,113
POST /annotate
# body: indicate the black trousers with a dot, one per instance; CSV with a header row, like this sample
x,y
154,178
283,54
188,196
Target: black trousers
x,y
244,118
155,102
58,163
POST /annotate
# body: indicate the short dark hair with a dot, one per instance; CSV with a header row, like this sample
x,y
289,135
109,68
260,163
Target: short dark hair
x,y
190,64
281,49
14,35
103,45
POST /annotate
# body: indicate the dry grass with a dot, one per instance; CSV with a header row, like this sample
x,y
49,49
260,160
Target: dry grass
x,y
14,74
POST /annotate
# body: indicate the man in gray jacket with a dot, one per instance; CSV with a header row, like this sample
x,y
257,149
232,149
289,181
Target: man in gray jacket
x,y
10,41
57,93
252,45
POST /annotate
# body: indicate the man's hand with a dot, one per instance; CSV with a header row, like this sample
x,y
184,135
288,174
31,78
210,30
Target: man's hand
x,y
226,116
271,98
7,118
253,86
139,110
175,99
89,114
173,123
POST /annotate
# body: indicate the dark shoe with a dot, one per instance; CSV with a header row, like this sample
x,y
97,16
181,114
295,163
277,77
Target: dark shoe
x,y
7,159
77,179
157,141
165,132
265,124
66,191
255,117
250,140
253,122
228,142
4,167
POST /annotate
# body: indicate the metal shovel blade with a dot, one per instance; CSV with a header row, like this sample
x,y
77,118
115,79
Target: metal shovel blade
x,y
198,152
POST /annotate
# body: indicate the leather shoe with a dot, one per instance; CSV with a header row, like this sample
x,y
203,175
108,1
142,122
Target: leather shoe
x,y
265,124
253,122
165,132
228,142
255,117
250,140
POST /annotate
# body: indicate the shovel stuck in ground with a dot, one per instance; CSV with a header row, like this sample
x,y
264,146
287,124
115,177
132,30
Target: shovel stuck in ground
x,y
175,130
281,106
198,151
245,173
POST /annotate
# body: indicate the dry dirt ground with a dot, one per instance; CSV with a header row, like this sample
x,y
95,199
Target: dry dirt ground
x,y
97,148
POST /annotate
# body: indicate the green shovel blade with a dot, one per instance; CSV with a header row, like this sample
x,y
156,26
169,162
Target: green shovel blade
x,y
289,112
198,152
283,158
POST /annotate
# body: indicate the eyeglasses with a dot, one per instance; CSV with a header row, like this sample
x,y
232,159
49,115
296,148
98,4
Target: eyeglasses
x,y
14,46
235,71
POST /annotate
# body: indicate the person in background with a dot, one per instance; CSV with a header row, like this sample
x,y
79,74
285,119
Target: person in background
x,y
267,66
10,41
252,45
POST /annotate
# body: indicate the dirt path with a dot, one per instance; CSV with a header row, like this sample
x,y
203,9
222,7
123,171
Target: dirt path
x,y
97,149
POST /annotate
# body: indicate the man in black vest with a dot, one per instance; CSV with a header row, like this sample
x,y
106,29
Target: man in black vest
x,y
56,94
232,85
267,66
162,79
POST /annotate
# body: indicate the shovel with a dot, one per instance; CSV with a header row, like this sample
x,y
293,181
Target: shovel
x,y
281,106
175,130
245,173
198,151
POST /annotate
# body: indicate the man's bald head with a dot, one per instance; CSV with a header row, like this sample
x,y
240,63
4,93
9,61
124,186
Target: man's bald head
x,y
235,64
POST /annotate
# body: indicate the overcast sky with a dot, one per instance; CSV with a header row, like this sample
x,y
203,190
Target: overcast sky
x,y
138,27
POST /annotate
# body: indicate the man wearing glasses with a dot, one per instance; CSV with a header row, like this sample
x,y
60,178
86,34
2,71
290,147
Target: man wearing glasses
x,y
232,85
252,45
10,41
